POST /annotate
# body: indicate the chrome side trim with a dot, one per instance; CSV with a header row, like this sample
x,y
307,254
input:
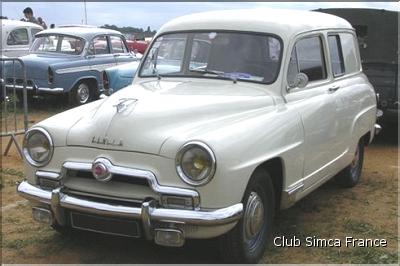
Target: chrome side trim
x,y
18,87
294,188
79,166
50,175
56,90
57,200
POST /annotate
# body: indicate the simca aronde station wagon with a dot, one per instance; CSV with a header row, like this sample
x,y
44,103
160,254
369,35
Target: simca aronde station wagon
x,y
231,116
70,60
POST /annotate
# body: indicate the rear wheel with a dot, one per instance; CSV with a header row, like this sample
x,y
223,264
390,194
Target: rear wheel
x,y
81,94
247,241
350,176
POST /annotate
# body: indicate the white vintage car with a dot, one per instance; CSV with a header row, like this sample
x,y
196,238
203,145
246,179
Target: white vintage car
x,y
17,37
232,115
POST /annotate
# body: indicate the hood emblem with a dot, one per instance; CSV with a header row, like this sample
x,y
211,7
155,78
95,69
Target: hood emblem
x,y
106,141
124,103
101,171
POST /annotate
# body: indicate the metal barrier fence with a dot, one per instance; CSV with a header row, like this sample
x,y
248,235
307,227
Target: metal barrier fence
x,y
10,82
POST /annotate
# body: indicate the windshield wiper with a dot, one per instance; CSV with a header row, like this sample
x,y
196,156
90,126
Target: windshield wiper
x,y
213,72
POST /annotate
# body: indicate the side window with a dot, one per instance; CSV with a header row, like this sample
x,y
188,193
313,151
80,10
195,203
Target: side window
x,y
34,31
118,45
335,51
310,58
99,45
18,37
293,68
350,53
307,57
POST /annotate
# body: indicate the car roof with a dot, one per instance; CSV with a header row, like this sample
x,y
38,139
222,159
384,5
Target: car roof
x,y
8,23
284,23
83,32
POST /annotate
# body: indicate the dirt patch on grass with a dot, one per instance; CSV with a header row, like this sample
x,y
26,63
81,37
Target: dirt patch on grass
x,y
368,210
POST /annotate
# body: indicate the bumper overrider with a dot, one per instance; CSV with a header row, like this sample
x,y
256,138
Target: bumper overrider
x,y
166,226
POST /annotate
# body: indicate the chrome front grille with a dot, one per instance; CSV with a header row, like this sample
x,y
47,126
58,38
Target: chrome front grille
x,y
121,188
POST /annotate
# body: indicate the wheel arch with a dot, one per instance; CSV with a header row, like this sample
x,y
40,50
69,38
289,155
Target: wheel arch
x,y
275,168
91,80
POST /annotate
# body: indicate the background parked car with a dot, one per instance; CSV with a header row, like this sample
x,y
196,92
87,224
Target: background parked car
x,y
137,45
70,61
117,77
17,37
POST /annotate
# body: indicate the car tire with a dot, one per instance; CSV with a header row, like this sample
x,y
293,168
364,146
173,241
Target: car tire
x,y
350,176
247,241
63,230
81,94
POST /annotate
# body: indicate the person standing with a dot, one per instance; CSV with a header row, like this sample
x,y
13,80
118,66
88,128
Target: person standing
x,y
42,23
28,13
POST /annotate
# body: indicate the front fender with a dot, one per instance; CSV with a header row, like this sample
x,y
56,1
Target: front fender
x,y
241,146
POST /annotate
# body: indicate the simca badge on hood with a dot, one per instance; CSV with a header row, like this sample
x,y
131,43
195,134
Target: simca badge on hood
x,y
124,103
106,141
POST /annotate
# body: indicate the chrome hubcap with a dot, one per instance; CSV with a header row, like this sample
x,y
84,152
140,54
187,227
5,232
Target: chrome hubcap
x,y
253,217
83,93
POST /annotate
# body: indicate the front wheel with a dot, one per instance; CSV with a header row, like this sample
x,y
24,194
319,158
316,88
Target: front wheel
x,y
81,94
350,176
247,241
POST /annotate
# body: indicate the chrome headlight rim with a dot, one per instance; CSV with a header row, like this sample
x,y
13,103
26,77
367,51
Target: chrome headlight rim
x,y
187,146
25,151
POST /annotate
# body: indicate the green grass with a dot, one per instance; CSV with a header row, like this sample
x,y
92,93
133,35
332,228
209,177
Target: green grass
x,y
12,172
362,255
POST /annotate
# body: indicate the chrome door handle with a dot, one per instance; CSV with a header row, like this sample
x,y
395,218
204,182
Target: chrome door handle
x,y
334,88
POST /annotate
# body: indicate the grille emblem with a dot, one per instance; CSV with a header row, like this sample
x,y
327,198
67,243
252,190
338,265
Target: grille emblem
x,y
101,172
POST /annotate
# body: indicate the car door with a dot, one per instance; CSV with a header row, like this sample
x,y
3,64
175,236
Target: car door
x,y
315,105
17,42
347,90
99,54
120,50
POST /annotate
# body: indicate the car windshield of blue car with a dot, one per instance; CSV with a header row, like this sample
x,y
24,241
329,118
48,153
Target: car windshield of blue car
x,y
58,44
225,55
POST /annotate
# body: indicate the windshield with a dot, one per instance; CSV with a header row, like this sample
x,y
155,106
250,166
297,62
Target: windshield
x,y
228,55
58,44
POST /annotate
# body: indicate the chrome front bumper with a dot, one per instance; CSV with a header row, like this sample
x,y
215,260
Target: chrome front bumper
x,y
148,213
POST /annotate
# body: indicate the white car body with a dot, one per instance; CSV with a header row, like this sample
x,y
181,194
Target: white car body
x,y
311,133
11,48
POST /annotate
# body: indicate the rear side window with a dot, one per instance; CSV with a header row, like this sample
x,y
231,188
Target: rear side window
x,y
34,31
18,37
307,57
335,51
118,45
99,45
350,53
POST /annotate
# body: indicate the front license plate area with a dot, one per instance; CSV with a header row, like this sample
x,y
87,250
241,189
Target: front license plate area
x,y
105,225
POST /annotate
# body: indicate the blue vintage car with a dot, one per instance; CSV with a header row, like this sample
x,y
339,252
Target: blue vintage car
x,y
70,61
117,77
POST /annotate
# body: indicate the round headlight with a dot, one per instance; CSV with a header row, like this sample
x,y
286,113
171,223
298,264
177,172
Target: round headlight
x,y
38,147
195,163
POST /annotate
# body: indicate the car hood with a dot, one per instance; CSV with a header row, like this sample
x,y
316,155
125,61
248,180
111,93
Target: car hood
x,y
143,116
37,64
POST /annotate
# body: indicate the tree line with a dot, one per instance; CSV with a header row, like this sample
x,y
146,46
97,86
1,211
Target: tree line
x,y
139,33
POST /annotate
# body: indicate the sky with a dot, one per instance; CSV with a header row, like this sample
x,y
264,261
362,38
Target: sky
x,y
154,14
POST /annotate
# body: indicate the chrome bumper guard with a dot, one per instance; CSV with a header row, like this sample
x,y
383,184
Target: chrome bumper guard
x,y
147,213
